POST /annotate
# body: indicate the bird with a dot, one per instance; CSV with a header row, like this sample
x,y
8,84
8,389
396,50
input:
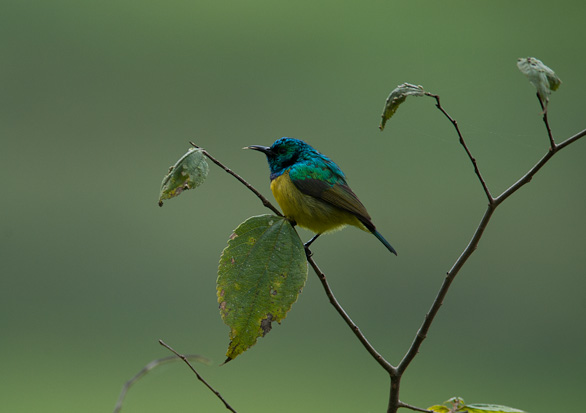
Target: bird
x,y
312,190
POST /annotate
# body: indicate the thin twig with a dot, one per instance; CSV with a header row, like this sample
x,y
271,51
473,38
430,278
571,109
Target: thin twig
x,y
184,358
550,136
571,140
260,196
525,179
463,143
531,173
355,329
150,366
415,408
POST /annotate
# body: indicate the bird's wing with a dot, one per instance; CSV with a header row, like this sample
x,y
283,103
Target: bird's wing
x,y
322,183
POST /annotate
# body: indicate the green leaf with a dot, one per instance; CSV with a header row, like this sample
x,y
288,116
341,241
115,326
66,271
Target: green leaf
x,y
261,273
189,172
486,408
398,96
542,77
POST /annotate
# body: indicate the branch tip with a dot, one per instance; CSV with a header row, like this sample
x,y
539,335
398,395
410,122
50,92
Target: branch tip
x,y
199,377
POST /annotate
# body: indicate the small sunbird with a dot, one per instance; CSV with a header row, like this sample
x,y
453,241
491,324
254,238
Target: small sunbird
x,y
312,190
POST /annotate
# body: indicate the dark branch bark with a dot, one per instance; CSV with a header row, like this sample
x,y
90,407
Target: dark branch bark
x,y
463,143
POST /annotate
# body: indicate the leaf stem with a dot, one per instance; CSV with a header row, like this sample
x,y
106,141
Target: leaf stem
x,y
184,358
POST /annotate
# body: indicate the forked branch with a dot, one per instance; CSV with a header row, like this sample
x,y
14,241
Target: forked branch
x,y
472,245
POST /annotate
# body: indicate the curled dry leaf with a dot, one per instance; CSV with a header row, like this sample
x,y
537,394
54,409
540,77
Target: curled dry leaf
x,y
398,96
542,77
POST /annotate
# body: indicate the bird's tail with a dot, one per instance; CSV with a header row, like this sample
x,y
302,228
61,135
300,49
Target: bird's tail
x,y
384,241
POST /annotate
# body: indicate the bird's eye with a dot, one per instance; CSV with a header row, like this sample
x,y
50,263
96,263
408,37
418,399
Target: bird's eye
x,y
282,150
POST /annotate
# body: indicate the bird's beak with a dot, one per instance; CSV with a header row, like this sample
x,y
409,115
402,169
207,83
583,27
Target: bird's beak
x,y
265,149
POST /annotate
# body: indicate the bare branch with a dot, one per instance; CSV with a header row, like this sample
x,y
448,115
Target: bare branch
x,y
531,173
470,248
394,402
184,358
260,196
463,143
150,366
437,303
571,140
355,329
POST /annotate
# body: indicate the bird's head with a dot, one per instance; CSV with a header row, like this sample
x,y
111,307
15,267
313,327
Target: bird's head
x,y
284,153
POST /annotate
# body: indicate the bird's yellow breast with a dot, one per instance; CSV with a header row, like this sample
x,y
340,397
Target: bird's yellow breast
x,y
307,211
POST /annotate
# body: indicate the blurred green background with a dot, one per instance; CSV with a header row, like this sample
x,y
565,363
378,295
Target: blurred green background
x,y
98,99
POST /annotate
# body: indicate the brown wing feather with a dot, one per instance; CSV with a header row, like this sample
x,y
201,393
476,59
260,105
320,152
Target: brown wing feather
x,y
338,195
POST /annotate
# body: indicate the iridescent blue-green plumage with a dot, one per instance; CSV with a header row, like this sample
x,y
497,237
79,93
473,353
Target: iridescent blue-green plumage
x,y
312,190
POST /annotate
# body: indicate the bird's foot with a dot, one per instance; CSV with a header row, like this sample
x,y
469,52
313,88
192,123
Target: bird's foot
x,y
308,252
